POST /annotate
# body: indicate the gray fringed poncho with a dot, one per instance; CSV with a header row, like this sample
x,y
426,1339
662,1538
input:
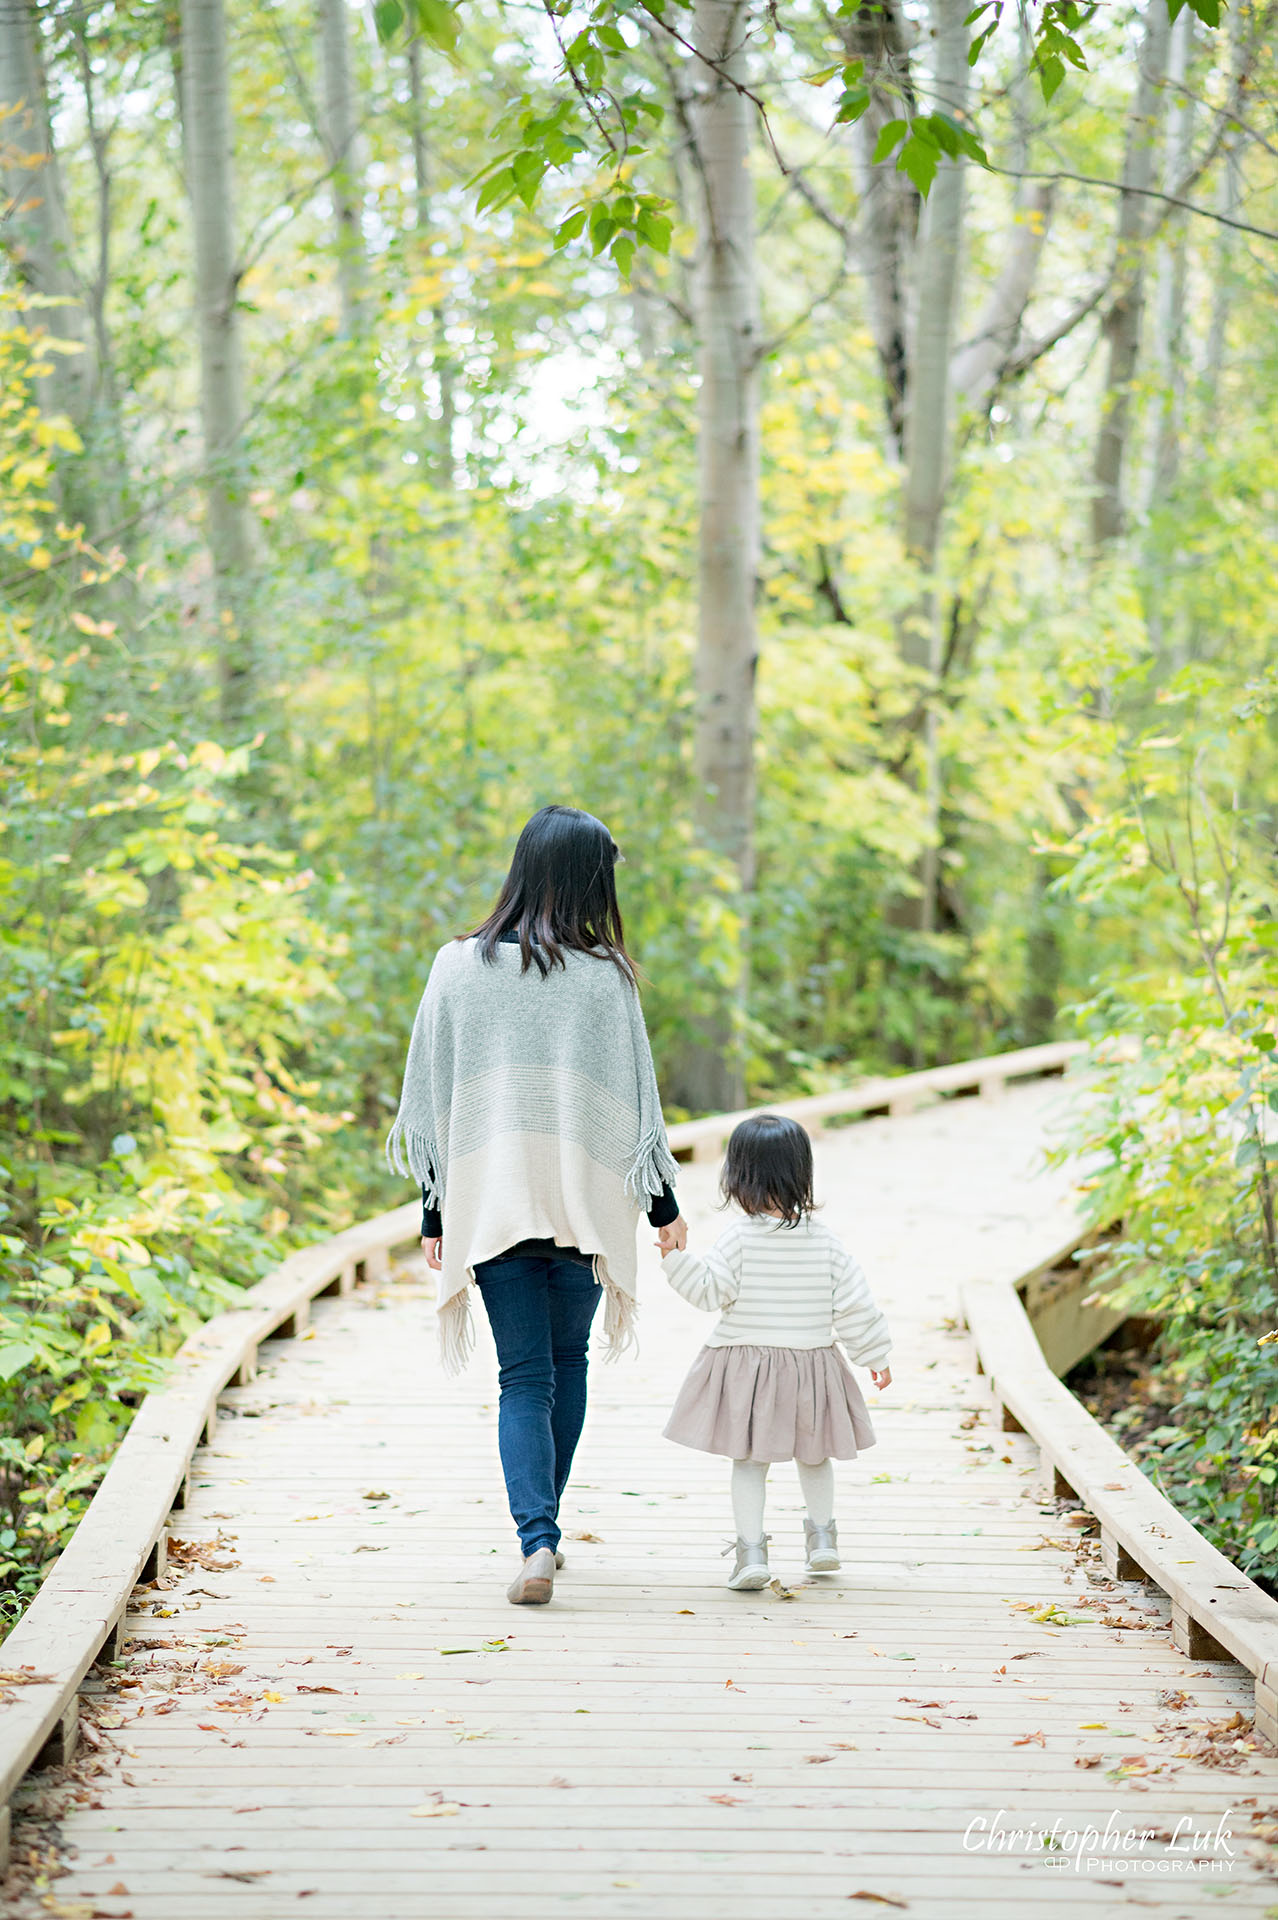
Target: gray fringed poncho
x,y
530,1111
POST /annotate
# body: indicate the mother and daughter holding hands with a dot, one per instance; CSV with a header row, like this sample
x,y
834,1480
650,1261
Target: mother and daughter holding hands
x,y
531,1118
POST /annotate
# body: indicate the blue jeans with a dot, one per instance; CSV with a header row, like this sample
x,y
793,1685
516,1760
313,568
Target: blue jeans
x,y
540,1313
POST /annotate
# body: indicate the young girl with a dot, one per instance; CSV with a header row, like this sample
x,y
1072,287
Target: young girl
x,y
770,1383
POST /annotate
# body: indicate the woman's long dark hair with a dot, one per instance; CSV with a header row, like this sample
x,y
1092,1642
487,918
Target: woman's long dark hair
x,y
560,894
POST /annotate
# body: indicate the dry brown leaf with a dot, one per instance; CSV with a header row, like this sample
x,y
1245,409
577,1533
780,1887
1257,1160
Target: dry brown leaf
x,y
1027,1738
883,1899
725,1799
1088,1759
595,1538
416,1676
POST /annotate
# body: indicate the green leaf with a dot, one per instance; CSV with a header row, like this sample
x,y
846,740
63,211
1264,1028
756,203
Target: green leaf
x,y
851,106
1051,72
920,158
388,18
497,189
16,1355
569,229
889,139
436,21
623,252
1208,11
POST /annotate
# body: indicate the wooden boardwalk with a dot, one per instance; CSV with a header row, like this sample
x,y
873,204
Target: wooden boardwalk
x,y
339,1716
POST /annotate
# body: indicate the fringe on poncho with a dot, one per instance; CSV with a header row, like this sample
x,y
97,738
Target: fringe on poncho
x,y
530,1110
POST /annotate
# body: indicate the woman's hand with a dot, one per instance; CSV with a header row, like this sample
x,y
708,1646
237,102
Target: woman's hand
x,y
673,1238
434,1251
881,1376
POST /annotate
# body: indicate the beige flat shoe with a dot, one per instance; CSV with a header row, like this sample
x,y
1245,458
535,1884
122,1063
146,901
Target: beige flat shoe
x,y
535,1582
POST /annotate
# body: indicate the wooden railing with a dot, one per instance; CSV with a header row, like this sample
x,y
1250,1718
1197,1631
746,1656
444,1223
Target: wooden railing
x,y
77,1616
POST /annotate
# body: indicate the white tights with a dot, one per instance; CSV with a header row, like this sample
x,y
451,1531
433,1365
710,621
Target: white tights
x,y
750,1487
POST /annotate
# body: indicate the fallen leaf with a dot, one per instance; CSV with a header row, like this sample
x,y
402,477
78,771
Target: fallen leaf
x,y
725,1799
375,1496
245,1875
341,1733
333,1689
113,1893
884,1899
685,1609
596,1538
817,1759
1088,1760
276,1699
398,1676
435,1809
1027,1738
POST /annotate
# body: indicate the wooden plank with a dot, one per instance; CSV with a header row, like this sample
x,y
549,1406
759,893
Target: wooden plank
x,y
592,1749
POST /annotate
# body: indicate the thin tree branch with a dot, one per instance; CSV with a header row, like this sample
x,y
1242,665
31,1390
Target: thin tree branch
x,y
1149,193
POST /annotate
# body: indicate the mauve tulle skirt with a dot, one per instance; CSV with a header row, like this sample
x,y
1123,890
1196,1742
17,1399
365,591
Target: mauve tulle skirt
x,y
772,1403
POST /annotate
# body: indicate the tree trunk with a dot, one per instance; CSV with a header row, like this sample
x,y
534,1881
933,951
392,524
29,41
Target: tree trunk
x,y
442,363
928,415
109,448
1228,200
878,34
981,362
727,311
1168,354
340,128
1121,327
38,235
204,97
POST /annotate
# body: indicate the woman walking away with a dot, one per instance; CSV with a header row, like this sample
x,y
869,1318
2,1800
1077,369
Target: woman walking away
x,y
770,1383
530,1115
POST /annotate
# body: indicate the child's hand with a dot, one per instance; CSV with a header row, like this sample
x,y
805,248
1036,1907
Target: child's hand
x,y
434,1251
881,1376
674,1237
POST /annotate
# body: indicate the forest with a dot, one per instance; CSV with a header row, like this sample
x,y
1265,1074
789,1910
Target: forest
x,y
836,444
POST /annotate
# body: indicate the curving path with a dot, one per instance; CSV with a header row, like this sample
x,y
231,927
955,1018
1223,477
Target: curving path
x,y
348,1720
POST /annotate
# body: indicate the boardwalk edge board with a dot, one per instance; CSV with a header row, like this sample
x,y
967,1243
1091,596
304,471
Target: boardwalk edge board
x,y
1217,1612
77,1616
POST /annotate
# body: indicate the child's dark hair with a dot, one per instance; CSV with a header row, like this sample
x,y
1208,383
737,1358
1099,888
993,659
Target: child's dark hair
x,y
768,1168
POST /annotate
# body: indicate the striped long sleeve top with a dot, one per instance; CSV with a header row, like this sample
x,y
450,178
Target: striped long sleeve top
x,y
783,1286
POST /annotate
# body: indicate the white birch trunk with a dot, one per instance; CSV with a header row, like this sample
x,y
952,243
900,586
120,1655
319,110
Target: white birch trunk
x,y
443,457
37,232
1168,345
727,311
340,125
206,112
1228,200
879,35
1121,328
728,324
930,408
